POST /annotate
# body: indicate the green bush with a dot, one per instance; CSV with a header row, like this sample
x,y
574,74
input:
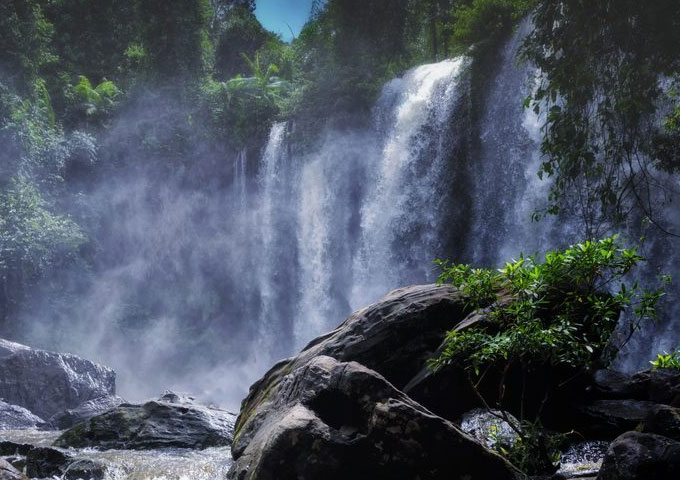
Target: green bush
x,y
560,314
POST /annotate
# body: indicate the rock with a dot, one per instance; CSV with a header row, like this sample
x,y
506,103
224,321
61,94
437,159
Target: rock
x,y
659,386
338,420
607,419
663,420
17,462
641,456
10,448
171,421
612,385
84,470
47,383
84,411
45,462
14,417
394,337
489,428
8,472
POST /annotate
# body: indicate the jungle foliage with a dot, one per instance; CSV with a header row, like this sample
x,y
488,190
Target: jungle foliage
x,y
609,96
558,315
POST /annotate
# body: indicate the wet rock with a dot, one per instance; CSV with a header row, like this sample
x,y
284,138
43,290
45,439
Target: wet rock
x,y
663,420
607,419
171,421
85,411
659,386
490,427
394,337
14,417
8,448
45,462
8,472
641,456
47,383
610,384
84,470
337,420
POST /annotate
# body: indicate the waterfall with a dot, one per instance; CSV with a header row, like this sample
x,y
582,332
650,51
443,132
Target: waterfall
x,y
373,209
212,284
401,212
364,218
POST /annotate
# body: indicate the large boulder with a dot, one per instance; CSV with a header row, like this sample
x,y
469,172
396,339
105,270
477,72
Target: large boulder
x,y
171,421
47,383
641,456
84,411
394,337
14,417
337,420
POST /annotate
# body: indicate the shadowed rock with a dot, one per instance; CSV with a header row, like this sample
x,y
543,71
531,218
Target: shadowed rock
x,y
8,472
171,421
641,456
394,337
337,420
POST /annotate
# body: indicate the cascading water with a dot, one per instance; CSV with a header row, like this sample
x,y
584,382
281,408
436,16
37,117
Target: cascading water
x,y
364,218
246,270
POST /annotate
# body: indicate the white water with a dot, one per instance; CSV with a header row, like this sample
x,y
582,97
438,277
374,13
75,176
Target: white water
x,y
167,464
292,240
360,207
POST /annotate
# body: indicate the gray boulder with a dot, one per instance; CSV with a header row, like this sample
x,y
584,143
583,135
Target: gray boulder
x,y
663,420
337,420
85,411
394,337
47,383
172,421
14,417
8,472
641,456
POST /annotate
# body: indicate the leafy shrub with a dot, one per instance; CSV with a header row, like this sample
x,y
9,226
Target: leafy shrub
x,y
559,314
667,360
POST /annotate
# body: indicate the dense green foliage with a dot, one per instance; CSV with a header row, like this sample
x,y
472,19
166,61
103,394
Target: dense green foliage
x,y
559,314
555,312
609,70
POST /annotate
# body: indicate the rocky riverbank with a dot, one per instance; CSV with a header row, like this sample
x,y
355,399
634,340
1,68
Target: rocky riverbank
x,y
357,402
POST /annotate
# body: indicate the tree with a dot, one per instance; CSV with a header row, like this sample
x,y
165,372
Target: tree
x,y
24,42
175,33
608,74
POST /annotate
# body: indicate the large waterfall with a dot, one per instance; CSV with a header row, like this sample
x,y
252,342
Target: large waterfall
x,y
343,224
287,242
